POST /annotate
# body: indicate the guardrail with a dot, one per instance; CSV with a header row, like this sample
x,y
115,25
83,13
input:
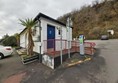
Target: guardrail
x,y
52,47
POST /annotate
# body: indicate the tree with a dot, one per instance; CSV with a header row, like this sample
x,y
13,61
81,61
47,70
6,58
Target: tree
x,y
101,15
3,38
10,41
29,23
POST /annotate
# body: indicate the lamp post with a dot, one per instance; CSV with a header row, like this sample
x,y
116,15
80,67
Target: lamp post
x,y
69,25
61,46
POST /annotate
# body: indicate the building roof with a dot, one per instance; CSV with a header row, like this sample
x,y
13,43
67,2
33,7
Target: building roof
x,y
47,17
22,31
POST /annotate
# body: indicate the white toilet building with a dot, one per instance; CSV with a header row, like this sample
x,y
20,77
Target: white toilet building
x,y
47,37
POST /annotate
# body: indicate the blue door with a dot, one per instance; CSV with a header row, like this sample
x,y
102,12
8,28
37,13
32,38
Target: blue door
x,y
50,36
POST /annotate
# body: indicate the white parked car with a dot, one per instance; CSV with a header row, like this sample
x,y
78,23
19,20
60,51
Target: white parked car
x,y
5,51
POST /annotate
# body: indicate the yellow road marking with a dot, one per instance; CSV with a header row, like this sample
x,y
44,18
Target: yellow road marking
x,y
78,62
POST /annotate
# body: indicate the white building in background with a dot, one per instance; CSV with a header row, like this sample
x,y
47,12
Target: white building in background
x,y
111,32
46,37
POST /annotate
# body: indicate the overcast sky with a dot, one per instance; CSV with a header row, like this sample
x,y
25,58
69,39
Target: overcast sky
x,y
12,10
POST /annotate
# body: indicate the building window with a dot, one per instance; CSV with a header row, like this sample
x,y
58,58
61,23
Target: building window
x,y
59,32
34,31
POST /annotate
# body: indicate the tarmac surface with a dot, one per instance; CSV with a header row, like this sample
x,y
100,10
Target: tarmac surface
x,y
103,68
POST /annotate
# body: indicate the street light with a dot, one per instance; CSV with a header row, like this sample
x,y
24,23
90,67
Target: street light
x,y
61,45
69,25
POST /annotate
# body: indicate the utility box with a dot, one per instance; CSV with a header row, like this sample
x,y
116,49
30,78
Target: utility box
x,y
81,42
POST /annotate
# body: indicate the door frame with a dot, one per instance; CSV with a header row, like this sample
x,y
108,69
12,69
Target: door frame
x,y
54,36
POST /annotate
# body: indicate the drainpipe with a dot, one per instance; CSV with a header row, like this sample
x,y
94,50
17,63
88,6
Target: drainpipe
x,y
40,56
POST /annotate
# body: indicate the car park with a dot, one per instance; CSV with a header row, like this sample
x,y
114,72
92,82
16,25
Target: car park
x,y
5,51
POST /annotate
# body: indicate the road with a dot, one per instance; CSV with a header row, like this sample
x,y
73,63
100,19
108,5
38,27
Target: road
x,y
9,66
12,65
109,51
103,68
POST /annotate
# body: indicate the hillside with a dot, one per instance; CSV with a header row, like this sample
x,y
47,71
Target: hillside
x,y
95,20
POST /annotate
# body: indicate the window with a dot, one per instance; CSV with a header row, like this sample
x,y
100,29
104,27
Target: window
x,y
59,32
34,31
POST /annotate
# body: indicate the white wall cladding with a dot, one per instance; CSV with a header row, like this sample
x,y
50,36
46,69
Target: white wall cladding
x,y
44,23
23,40
49,61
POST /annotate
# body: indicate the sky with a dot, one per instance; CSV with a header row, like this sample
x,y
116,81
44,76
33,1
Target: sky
x,y
13,10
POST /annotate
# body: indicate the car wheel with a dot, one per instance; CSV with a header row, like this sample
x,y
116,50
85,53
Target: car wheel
x,y
1,56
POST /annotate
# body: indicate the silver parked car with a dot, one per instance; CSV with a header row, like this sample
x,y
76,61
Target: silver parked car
x,y
104,37
5,51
